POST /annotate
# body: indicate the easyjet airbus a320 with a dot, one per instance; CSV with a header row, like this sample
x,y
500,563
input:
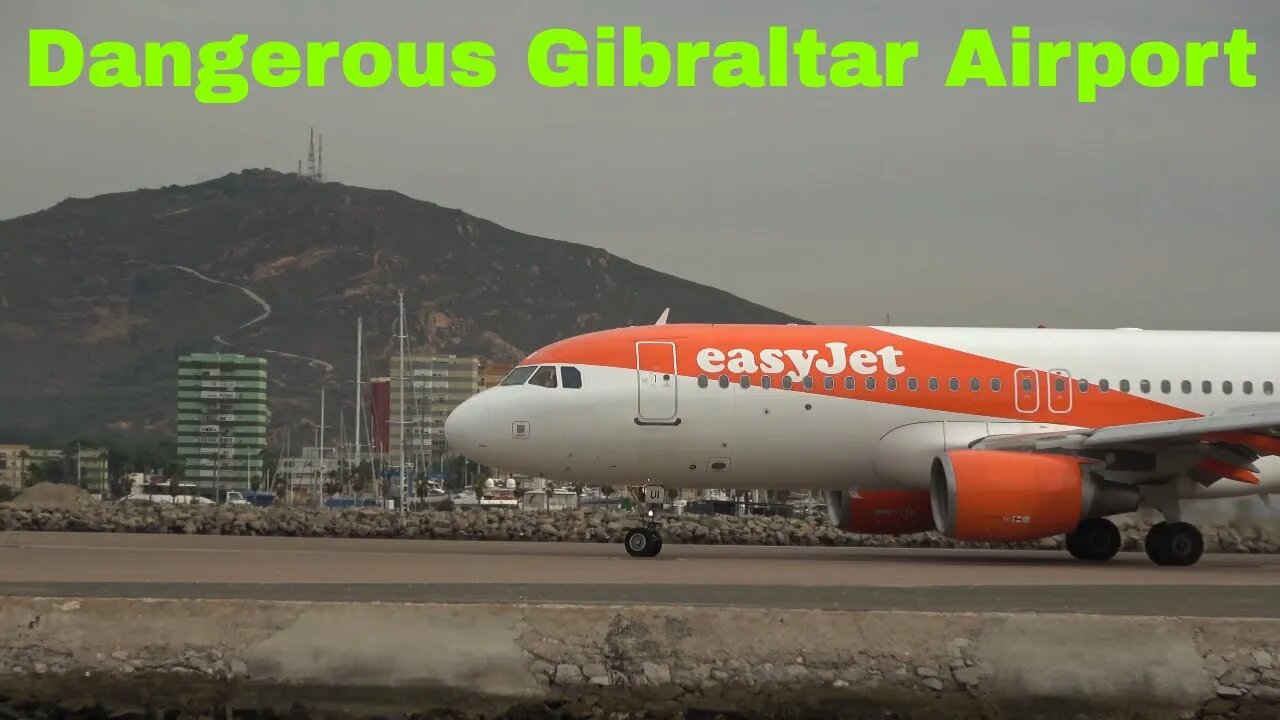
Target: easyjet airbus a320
x,y
986,435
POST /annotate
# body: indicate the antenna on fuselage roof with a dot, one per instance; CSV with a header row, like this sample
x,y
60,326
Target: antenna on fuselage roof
x,y
662,319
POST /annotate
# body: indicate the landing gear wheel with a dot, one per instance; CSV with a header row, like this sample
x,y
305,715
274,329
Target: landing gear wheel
x,y
1152,541
642,542
1096,539
1178,544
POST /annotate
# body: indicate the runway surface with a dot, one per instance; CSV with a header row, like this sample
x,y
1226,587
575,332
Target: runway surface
x,y
180,566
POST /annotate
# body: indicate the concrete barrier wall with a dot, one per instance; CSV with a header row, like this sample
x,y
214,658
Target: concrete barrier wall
x,y
369,658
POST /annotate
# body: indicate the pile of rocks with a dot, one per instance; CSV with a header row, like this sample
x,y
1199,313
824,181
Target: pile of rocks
x,y
53,495
558,526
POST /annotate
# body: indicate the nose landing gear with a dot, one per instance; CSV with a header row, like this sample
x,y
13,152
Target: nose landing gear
x,y
646,541
643,542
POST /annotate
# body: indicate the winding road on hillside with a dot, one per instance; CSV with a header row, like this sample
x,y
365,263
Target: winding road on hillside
x,y
266,313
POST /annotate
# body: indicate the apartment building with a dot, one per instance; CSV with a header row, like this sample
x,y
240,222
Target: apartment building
x,y
433,386
13,466
222,420
18,463
87,467
492,373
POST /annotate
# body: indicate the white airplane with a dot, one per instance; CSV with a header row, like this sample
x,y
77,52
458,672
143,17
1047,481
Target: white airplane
x,y
986,435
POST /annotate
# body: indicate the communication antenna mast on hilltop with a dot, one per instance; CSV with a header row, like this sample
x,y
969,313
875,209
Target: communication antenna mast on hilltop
x,y
311,156
315,160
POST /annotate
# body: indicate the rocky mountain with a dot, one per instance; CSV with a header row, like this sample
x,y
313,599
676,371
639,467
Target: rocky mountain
x,y
99,296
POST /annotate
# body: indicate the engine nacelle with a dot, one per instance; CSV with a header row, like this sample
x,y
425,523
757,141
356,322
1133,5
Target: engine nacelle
x,y
995,496
880,512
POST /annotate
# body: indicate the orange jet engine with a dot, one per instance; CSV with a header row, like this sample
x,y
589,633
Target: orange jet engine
x,y
995,496
881,512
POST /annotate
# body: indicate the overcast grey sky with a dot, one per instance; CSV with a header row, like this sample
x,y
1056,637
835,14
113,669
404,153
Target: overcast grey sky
x,y
1152,208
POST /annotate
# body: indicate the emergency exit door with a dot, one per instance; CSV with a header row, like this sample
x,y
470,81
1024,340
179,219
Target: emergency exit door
x,y
1054,387
1026,390
656,383
1060,386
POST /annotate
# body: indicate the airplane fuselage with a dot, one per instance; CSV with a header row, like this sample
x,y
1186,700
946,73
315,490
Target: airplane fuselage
x,y
833,407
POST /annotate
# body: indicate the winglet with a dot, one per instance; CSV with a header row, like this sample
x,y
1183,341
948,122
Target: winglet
x,y
662,320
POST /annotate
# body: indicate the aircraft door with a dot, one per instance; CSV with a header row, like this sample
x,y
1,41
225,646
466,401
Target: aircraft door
x,y
656,400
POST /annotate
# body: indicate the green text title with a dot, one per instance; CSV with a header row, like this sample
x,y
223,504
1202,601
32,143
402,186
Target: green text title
x,y
222,71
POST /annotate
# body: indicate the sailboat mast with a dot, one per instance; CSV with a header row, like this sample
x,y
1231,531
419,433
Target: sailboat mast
x,y
342,453
288,488
320,484
359,388
403,480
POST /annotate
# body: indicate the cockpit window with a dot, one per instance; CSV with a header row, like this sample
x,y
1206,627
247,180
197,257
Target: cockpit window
x,y
519,375
545,376
571,376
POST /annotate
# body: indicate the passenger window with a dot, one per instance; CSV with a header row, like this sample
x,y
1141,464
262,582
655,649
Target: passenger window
x,y
1104,386
1124,386
933,384
1247,387
1226,387
871,383
1166,387
1186,387
766,382
1084,386
744,382
571,377
808,382
703,381
1206,387
912,385
1145,385
1268,388
975,384
724,381
891,383
995,384
829,383
519,375
954,384
850,383
545,376
786,382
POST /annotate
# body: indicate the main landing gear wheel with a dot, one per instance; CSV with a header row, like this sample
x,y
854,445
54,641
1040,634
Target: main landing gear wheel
x,y
643,542
1177,544
1095,539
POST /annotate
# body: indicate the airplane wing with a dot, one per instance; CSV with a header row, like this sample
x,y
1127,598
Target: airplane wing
x,y
1224,445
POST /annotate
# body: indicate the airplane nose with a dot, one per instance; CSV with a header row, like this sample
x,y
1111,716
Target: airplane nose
x,y
466,427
